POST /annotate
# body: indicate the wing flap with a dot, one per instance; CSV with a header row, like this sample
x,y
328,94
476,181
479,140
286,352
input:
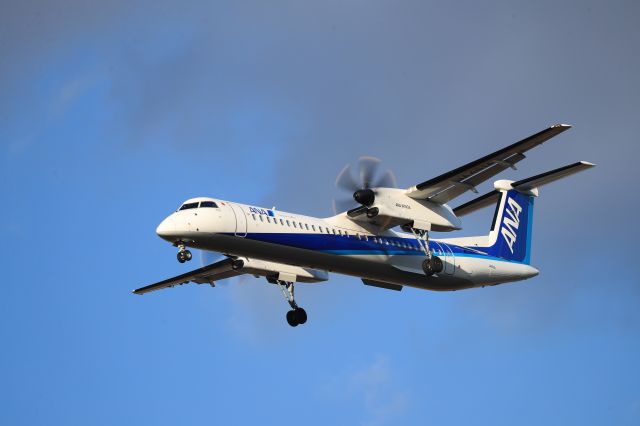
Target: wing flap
x,y
470,183
455,182
481,202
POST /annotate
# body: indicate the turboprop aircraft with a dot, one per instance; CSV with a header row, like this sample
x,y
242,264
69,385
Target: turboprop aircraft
x,y
383,240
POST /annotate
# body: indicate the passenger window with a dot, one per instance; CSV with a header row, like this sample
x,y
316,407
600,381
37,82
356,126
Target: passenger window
x,y
261,218
281,222
294,225
189,206
254,216
313,227
334,231
208,204
288,224
268,219
319,228
306,226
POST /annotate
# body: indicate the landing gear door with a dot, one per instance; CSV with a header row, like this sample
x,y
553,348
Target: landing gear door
x,y
241,220
445,253
450,265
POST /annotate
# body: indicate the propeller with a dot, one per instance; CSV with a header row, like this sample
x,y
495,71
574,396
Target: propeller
x,y
361,194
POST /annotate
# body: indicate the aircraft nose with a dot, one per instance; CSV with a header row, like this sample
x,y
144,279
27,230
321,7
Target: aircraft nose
x,y
167,228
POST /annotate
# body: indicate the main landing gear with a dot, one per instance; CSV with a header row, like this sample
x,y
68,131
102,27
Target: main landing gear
x,y
296,316
183,254
432,264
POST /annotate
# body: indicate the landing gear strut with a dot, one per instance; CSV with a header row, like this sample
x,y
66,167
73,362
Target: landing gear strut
x,y
296,316
432,264
183,254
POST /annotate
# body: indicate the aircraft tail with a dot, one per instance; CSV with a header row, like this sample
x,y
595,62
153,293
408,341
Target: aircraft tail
x,y
510,236
511,229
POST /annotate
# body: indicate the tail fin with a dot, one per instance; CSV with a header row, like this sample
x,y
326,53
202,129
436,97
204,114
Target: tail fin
x,y
510,236
511,230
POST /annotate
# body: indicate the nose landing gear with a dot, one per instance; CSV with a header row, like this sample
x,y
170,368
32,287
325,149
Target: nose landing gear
x,y
183,254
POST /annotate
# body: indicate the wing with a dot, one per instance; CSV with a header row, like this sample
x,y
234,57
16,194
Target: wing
x,y
450,185
228,268
523,185
207,274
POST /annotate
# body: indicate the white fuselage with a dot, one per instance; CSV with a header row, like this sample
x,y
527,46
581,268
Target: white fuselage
x,y
336,244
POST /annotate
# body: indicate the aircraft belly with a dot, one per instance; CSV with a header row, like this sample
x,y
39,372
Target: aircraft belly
x,y
374,267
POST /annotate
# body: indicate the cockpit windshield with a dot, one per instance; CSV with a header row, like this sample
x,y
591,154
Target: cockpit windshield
x,y
187,206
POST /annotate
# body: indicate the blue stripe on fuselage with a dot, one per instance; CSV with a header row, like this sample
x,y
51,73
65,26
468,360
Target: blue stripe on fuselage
x,y
352,245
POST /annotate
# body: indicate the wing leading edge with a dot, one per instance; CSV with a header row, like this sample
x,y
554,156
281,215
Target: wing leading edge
x,y
450,185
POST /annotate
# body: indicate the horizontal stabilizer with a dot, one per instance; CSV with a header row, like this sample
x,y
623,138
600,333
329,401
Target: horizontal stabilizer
x,y
551,176
527,184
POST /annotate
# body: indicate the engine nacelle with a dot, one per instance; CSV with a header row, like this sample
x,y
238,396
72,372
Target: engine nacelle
x,y
391,207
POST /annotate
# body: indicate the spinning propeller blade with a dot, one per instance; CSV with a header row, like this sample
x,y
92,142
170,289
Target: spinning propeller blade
x,y
368,177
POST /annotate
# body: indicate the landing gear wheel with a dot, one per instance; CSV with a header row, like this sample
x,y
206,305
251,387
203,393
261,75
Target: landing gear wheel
x,y
427,267
292,318
432,266
437,264
301,315
184,256
296,316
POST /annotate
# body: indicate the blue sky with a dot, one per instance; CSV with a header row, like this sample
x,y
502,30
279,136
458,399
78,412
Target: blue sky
x,y
112,114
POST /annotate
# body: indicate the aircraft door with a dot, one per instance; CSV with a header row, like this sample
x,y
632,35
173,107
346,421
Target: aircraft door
x,y
241,220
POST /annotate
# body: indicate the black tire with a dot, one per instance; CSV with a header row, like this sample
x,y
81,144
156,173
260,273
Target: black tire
x,y
292,318
181,257
187,255
301,316
427,267
436,264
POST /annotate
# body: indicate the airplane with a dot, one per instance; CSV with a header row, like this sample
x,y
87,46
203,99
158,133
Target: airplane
x,y
383,240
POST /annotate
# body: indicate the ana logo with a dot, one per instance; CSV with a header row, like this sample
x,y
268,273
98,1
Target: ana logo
x,y
265,212
511,222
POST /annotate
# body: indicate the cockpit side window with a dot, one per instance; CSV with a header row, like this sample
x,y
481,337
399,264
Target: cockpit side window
x,y
188,206
208,204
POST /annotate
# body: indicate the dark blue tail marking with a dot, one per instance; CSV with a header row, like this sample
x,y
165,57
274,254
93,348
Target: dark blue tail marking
x,y
513,227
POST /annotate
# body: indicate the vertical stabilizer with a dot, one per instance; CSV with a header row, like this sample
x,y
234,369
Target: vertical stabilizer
x,y
510,236
511,232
